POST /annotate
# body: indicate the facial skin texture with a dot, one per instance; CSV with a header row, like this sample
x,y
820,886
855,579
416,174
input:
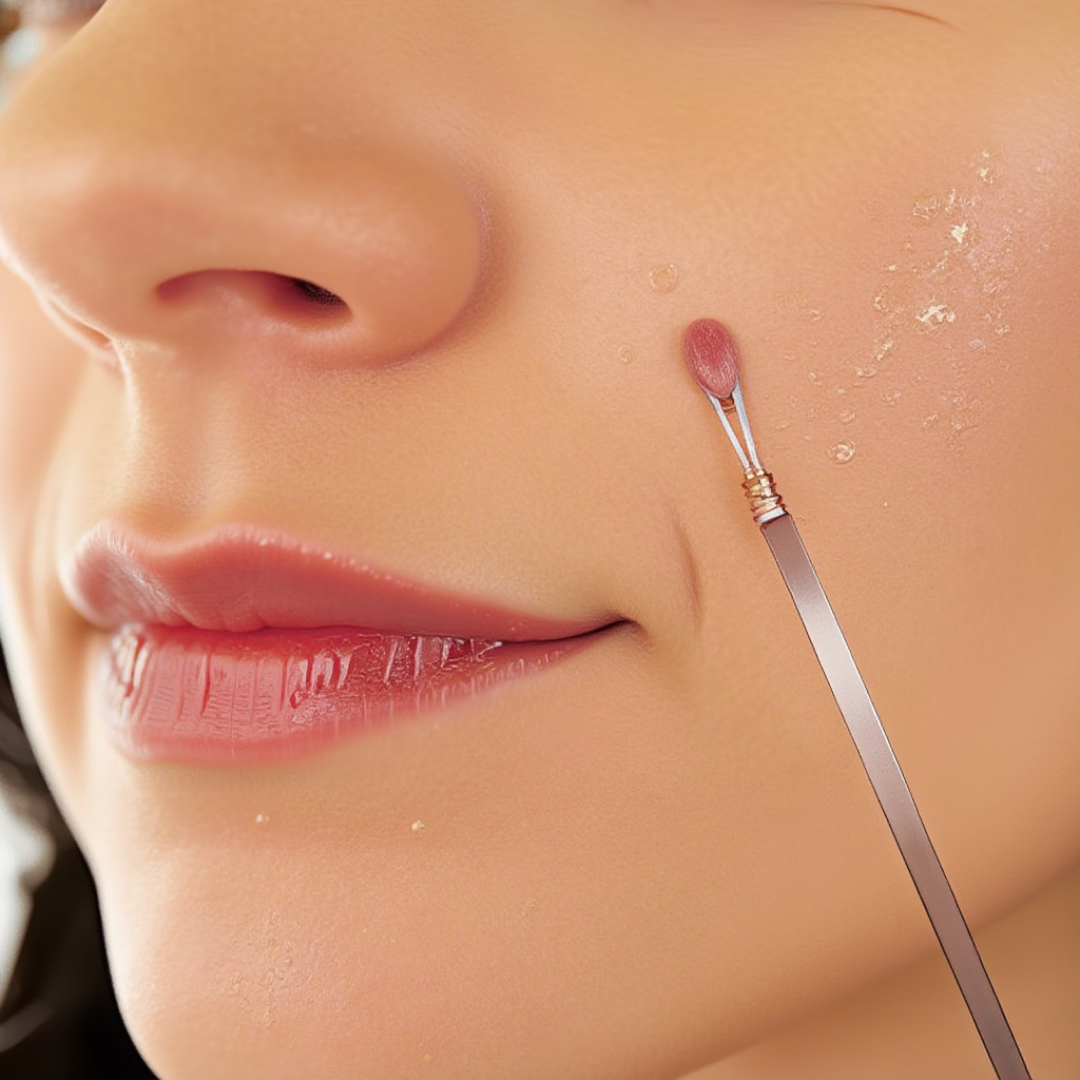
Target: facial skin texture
x,y
663,850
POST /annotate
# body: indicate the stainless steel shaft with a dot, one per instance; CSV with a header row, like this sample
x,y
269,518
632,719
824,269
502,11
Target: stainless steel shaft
x,y
887,780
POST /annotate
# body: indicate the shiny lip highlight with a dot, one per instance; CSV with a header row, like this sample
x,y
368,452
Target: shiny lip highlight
x,y
246,646
214,698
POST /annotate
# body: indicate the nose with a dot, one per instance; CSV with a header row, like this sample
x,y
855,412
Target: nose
x,y
150,208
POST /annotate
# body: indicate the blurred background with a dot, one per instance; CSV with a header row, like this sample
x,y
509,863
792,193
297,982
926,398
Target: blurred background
x,y
58,1015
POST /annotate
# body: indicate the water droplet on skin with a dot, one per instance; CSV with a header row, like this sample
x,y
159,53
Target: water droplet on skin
x,y
892,397
262,820
626,354
931,420
865,372
815,378
847,416
842,453
418,827
664,278
885,503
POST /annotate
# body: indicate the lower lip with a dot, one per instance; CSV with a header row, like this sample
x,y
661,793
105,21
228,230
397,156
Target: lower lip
x,y
217,698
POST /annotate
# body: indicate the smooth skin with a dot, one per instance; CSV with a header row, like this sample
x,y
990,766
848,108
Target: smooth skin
x,y
661,856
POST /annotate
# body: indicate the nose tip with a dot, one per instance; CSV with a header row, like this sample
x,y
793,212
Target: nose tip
x,y
365,252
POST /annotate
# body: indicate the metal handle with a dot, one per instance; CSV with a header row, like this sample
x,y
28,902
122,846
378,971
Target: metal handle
x,y
887,780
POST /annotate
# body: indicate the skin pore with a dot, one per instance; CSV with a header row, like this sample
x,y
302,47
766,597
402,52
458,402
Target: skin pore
x,y
660,855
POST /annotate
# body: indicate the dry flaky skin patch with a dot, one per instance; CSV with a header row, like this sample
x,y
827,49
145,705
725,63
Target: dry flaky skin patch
x,y
258,990
934,349
951,282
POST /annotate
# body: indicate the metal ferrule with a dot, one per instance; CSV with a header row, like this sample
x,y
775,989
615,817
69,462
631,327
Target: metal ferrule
x,y
766,503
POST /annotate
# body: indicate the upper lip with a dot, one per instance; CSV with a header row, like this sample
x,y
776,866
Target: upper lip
x,y
245,579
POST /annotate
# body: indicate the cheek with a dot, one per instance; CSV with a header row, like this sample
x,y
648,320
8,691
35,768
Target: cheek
x,y
926,441
39,375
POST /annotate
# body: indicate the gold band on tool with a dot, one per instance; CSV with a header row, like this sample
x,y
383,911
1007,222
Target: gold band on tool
x,y
761,491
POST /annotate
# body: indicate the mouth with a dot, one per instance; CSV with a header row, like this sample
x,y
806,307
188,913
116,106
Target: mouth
x,y
247,646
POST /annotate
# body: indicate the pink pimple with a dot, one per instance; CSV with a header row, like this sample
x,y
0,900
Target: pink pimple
x,y
710,354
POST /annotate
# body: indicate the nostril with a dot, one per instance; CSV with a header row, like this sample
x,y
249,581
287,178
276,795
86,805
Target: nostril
x,y
317,294
277,298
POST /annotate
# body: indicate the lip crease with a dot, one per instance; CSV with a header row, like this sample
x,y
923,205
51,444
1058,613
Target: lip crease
x,y
248,645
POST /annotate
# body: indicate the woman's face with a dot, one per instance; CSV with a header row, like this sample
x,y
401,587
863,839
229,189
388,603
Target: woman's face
x,y
657,843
